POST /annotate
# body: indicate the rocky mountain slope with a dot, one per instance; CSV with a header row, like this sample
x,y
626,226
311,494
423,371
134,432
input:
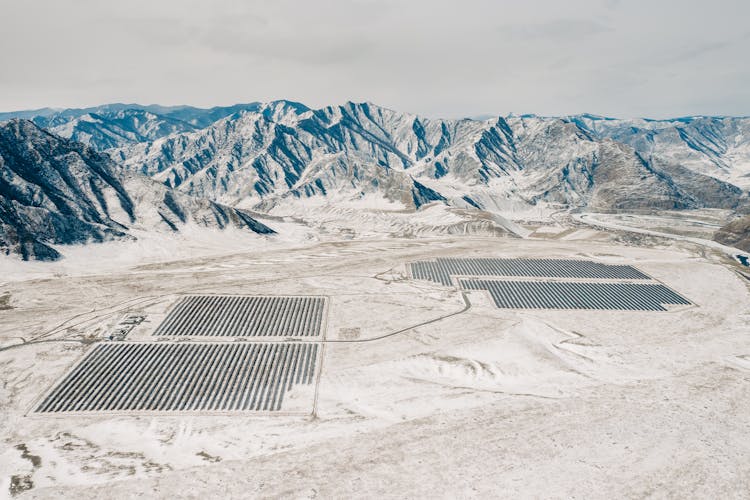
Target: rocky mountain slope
x,y
112,125
280,151
56,191
735,234
265,154
283,157
716,146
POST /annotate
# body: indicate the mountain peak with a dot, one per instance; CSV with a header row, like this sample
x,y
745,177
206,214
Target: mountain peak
x,y
283,111
23,128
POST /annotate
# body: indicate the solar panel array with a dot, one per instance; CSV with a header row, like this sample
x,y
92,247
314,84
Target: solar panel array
x,y
440,270
576,295
562,293
218,376
245,316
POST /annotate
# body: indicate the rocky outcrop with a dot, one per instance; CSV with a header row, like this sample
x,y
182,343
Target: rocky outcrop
x,y
735,234
717,146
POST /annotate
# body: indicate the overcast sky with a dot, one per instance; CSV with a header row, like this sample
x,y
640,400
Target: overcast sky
x,y
655,58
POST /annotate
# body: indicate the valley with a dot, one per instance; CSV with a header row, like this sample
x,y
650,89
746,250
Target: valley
x,y
284,301
407,364
374,250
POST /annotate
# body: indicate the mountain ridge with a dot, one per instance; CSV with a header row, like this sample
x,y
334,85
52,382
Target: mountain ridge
x,y
267,156
57,191
252,158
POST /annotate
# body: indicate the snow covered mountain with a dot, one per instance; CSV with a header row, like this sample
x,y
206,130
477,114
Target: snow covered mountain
x,y
282,157
715,146
113,125
56,191
283,151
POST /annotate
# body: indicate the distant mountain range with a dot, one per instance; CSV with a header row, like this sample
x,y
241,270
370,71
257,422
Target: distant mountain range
x,y
273,156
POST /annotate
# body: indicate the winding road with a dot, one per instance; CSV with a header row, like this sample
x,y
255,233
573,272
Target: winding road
x,y
591,220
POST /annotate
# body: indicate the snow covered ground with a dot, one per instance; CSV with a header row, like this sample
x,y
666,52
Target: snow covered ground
x,y
677,228
428,397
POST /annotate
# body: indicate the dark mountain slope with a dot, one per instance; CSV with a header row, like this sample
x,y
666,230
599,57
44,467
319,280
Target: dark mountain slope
x,y
735,234
56,191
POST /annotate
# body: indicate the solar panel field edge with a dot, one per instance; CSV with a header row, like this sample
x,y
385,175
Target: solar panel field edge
x,y
323,316
96,393
47,401
171,316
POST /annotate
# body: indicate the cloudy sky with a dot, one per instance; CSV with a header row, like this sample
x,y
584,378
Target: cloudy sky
x,y
655,58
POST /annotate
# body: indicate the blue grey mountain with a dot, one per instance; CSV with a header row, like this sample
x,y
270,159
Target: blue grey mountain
x,y
281,150
268,156
57,191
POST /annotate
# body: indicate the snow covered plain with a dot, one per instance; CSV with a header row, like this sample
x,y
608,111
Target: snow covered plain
x,y
433,394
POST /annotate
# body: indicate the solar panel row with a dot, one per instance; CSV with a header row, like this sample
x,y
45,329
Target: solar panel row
x,y
243,316
441,269
574,295
184,377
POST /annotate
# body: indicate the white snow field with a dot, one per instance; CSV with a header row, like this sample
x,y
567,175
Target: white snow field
x,y
420,389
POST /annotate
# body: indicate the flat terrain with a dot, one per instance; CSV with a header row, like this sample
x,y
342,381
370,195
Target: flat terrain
x,y
423,390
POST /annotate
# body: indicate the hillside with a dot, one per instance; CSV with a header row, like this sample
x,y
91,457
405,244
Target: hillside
x,y
55,191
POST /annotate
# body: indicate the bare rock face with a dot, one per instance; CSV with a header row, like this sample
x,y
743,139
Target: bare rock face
x,y
283,150
718,146
735,234
55,191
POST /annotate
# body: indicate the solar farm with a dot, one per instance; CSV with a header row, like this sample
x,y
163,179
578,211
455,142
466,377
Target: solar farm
x,y
441,270
242,369
201,375
551,283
